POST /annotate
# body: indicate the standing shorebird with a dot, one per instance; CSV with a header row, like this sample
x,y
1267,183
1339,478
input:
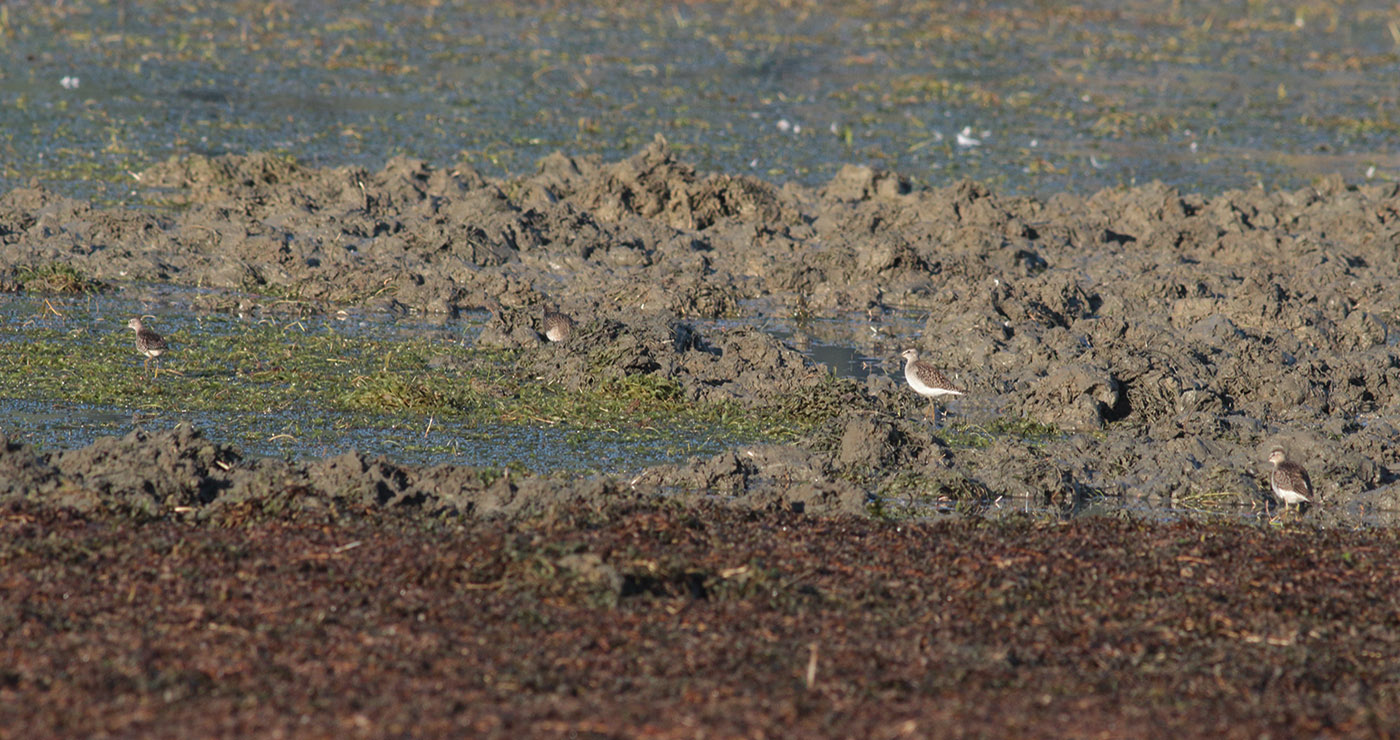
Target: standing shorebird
x,y
558,327
1289,480
927,380
148,343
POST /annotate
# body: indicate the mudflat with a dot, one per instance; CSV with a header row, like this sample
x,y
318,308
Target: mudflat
x,y
1139,343
365,496
1137,347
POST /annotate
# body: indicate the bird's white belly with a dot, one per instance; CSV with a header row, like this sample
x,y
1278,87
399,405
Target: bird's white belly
x,y
925,390
1288,496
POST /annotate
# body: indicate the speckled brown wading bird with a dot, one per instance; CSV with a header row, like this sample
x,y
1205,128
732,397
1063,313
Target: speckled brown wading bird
x,y
148,343
558,327
927,380
1289,480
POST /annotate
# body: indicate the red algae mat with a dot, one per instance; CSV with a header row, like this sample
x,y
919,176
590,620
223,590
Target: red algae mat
x,y
692,621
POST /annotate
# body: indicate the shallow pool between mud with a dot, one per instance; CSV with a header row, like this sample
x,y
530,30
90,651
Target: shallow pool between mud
x,y
300,387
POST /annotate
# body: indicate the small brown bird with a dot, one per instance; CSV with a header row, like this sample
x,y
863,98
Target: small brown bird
x,y
148,343
1289,480
927,380
558,327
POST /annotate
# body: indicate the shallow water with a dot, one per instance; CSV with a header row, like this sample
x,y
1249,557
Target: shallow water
x,y
305,431
97,323
1074,98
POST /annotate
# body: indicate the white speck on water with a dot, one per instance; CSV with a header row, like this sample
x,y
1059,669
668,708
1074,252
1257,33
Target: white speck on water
x,y
966,139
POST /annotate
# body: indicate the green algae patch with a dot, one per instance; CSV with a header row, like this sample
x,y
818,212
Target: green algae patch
x,y
293,387
57,277
909,494
384,391
962,434
829,398
1206,500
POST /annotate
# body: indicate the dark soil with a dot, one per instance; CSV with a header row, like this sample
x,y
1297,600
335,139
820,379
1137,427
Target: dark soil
x,y
681,621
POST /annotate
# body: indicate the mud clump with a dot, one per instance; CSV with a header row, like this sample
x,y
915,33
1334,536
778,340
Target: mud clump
x,y
179,474
22,470
766,477
140,475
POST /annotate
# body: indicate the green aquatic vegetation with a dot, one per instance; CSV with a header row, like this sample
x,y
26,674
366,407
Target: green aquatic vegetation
x,y
903,486
966,435
827,399
1207,499
879,508
289,386
643,388
56,277
394,392
962,434
1023,428
1351,125
916,487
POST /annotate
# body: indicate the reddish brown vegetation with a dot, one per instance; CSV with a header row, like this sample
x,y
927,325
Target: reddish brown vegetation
x,y
680,621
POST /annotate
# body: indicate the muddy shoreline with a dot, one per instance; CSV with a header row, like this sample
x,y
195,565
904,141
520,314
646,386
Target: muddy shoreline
x,y
1160,342
1135,345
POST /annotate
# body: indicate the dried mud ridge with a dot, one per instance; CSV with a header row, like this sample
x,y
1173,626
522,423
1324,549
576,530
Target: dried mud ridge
x,y
1172,338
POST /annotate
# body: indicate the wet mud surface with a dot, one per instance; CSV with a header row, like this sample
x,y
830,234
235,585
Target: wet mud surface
x,y
1136,346
1138,343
